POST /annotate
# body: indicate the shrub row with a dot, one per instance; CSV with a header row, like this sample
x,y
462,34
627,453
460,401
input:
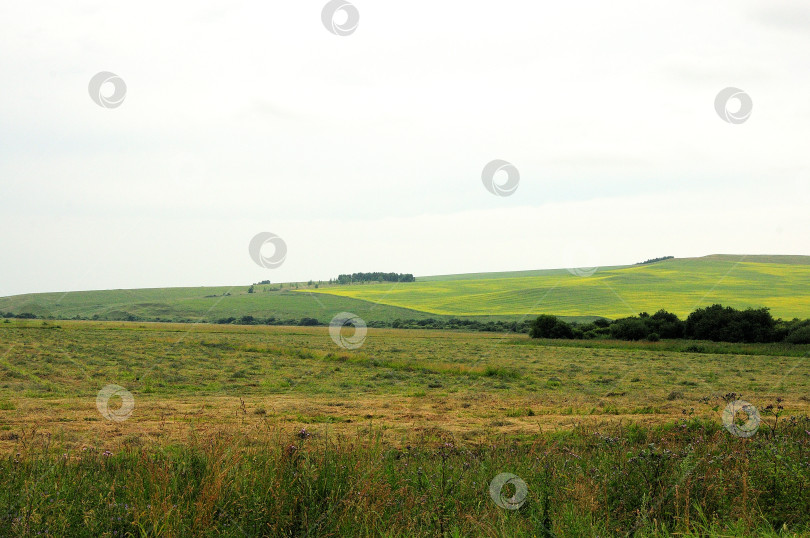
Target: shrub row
x,y
716,323
427,323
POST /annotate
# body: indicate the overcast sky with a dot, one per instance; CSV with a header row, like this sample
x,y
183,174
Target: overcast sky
x,y
364,152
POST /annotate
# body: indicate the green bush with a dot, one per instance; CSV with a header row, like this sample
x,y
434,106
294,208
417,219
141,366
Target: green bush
x,y
799,336
550,327
629,329
731,325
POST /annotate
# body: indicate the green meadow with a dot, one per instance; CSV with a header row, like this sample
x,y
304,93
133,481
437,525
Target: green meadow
x,y
201,304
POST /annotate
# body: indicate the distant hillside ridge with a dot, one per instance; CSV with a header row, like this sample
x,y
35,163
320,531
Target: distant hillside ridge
x,y
679,285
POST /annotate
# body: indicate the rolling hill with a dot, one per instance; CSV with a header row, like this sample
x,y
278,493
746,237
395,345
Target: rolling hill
x,y
679,285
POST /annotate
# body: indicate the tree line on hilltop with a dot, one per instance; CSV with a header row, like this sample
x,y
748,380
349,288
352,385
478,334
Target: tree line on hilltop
x,y
654,260
373,277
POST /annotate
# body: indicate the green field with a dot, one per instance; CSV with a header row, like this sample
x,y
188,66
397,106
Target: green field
x,y
200,304
678,285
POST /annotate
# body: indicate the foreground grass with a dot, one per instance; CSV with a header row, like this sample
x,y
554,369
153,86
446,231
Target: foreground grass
x,y
685,478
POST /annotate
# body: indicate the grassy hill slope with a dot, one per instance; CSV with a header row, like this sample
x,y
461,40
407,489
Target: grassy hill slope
x,y
200,304
679,285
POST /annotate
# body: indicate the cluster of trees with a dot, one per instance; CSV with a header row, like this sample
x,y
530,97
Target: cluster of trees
x,y
716,322
373,277
662,324
550,327
731,325
24,315
653,260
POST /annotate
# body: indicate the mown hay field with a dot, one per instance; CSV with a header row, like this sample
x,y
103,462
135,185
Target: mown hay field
x,y
470,385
